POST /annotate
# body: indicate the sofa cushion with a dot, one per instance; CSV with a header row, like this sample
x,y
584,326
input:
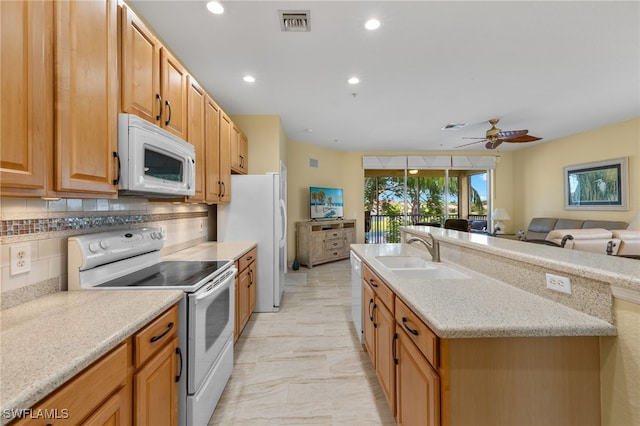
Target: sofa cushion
x,y
580,234
568,224
479,226
542,224
606,224
629,242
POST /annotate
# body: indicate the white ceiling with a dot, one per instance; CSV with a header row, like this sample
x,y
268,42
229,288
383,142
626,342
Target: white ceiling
x,y
554,68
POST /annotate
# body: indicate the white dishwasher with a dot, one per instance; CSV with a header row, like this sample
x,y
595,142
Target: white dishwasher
x,y
356,294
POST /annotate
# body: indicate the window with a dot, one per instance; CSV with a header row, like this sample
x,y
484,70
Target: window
x,y
416,190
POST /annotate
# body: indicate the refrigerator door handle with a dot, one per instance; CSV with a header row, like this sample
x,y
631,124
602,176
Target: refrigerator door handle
x,y
283,208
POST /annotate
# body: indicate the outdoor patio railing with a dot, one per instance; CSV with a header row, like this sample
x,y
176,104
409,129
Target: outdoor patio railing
x,y
386,228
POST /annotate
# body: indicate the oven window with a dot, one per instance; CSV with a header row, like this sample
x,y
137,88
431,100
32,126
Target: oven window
x,y
162,166
217,318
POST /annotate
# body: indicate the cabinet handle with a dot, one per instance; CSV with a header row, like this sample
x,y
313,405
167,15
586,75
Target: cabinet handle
x,y
394,350
159,99
375,305
373,282
156,338
168,105
242,161
224,189
249,259
179,353
404,324
250,277
117,179
370,310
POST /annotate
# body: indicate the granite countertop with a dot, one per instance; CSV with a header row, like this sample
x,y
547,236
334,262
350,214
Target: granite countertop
x,y
214,250
47,341
478,306
619,272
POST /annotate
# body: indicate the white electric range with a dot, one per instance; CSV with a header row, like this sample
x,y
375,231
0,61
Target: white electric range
x,y
130,259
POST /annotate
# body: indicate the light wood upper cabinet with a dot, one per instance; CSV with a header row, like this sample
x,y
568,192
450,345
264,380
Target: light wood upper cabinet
x,y
174,80
154,84
225,157
239,151
26,96
140,69
76,159
197,98
86,96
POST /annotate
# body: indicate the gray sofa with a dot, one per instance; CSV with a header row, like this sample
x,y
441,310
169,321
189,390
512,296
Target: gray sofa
x,y
539,227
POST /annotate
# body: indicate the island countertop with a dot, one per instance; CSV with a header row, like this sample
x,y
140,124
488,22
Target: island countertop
x,y
479,306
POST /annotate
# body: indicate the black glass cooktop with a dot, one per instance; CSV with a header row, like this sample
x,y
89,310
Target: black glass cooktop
x,y
169,274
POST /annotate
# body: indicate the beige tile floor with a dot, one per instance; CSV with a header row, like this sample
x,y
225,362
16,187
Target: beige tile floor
x,y
304,365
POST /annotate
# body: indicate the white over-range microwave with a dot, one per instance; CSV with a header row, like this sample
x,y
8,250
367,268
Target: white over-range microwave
x,y
153,162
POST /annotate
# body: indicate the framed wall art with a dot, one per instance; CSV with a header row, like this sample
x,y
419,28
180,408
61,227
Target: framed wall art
x,y
600,185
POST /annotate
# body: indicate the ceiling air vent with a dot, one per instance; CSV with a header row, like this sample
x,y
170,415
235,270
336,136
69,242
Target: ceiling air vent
x,y
453,126
295,20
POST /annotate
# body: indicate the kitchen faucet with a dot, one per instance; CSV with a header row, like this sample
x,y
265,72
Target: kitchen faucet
x,y
433,247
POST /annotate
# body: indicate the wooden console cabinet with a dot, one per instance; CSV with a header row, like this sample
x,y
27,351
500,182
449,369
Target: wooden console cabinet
x,y
324,241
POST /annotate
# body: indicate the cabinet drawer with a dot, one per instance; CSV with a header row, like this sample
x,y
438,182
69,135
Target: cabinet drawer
x,y
383,292
155,335
418,332
85,393
334,244
247,258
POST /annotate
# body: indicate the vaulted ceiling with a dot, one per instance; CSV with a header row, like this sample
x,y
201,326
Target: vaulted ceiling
x,y
554,68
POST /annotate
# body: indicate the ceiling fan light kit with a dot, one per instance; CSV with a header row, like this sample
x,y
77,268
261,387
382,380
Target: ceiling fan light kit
x,y
494,137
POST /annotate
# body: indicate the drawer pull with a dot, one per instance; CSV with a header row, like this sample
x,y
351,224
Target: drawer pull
x,y
404,324
373,282
156,338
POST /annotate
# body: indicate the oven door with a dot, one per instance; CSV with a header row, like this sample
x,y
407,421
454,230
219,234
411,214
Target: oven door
x,y
210,326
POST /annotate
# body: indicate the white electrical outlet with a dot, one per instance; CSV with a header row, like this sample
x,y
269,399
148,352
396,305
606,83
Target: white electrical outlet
x,y
559,283
20,259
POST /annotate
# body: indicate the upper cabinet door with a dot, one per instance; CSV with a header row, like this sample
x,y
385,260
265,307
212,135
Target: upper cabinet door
x,y
174,93
26,96
196,136
86,96
140,69
213,189
226,127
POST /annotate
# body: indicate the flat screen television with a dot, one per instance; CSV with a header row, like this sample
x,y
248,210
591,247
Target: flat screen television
x,y
326,203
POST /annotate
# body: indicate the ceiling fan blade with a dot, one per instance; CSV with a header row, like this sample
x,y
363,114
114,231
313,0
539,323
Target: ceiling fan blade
x,y
525,138
466,137
472,143
508,134
493,145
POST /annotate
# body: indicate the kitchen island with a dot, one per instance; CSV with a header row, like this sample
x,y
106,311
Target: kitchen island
x,y
488,343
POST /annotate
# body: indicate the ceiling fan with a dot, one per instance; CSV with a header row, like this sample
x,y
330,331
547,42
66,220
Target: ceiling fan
x,y
494,136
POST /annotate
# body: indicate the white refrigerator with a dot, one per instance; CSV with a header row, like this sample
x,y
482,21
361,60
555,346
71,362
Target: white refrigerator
x,y
258,212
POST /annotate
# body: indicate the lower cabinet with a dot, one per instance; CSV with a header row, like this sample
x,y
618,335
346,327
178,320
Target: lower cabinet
x,y
133,384
379,331
498,381
246,283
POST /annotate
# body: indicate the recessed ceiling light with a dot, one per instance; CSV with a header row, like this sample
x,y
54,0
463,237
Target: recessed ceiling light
x,y
372,24
215,7
249,78
354,80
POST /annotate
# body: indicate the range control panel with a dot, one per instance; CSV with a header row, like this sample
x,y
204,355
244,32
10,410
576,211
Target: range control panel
x,y
97,249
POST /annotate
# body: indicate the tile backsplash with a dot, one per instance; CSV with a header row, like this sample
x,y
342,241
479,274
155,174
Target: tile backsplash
x,y
45,226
